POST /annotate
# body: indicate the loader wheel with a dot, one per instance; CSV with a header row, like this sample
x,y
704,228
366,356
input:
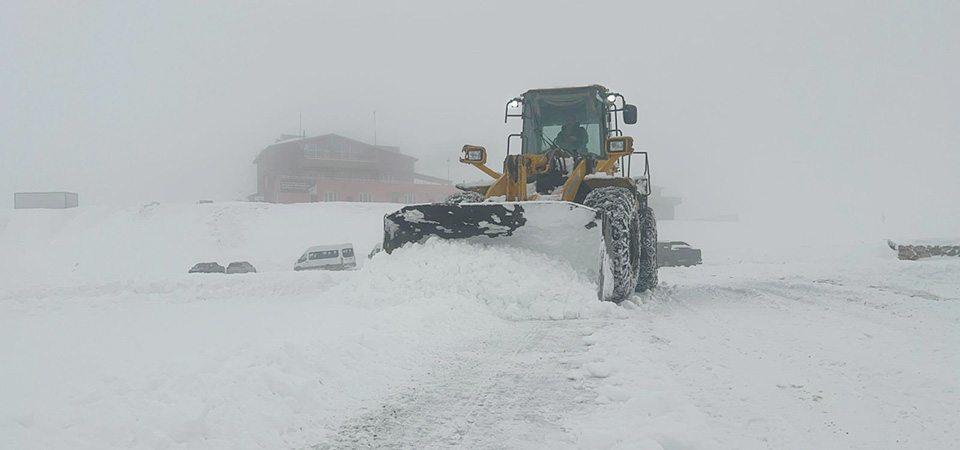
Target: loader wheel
x,y
623,250
648,278
463,197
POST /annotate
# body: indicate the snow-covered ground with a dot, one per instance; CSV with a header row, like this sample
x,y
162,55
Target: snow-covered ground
x,y
107,343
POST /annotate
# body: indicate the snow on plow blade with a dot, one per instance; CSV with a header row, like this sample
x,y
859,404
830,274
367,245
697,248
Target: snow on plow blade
x,y
562,230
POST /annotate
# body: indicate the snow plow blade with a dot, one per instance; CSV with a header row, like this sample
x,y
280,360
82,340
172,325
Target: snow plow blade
x,y
561,230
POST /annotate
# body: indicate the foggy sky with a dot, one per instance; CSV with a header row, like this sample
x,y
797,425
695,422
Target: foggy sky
x,y
774,110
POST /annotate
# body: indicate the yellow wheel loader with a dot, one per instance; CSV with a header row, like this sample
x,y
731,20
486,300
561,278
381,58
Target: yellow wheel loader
x,y
570,192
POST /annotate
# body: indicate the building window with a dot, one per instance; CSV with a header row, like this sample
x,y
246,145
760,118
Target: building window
x,y
311,151
365,197
329,196
336,151
409,198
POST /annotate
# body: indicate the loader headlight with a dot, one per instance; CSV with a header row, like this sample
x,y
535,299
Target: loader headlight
x,y
515,103
611,98
474,154
620,145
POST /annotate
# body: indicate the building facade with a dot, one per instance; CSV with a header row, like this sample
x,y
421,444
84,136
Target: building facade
x,y
335,168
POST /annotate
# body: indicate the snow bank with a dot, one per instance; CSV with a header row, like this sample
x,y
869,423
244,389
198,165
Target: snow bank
x,y
514,284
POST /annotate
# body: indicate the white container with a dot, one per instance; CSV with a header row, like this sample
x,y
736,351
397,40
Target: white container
x,y
48,200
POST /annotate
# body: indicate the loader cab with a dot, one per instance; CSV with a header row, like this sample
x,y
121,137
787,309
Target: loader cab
x,y
546,113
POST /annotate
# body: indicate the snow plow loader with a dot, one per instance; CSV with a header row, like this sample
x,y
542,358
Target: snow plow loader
x,y
570,193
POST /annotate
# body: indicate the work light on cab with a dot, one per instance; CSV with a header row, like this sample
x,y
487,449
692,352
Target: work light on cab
x,y
620,145
474,154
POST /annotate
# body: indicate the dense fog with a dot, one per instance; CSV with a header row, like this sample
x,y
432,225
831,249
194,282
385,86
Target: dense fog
x,y
844,115
805,295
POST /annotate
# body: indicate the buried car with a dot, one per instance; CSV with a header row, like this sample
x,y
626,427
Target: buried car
x,y
327,257
677,253
207,267
241,267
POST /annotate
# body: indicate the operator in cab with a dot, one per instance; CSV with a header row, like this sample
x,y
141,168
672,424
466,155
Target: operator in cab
x,y
572,136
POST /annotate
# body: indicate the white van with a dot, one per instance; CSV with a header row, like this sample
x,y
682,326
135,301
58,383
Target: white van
x,y
327,257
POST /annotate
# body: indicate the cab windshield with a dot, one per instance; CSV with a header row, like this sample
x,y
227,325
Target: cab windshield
x,y
572,120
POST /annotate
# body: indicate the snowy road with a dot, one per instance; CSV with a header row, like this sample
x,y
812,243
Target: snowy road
x,y
841,349
777,364
502,392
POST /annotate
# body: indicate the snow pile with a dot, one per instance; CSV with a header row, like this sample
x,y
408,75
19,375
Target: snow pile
x,y
514,284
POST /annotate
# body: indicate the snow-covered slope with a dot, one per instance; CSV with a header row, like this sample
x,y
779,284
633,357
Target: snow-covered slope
x,y
107,342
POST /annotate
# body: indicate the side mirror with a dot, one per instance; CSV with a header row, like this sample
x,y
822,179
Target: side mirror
x,y
619,145
629,114
474,154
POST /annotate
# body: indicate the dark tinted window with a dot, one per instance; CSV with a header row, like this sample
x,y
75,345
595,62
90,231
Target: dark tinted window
x,y
326,254
347,252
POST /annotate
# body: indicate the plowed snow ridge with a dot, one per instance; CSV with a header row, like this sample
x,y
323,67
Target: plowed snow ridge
x,y
515,285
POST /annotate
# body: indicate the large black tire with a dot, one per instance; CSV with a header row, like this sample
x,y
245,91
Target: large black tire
x,y
463,197
620,208
648,278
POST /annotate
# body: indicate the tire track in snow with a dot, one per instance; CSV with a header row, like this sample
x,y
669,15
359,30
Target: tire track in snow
x,y
484,391
503,393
